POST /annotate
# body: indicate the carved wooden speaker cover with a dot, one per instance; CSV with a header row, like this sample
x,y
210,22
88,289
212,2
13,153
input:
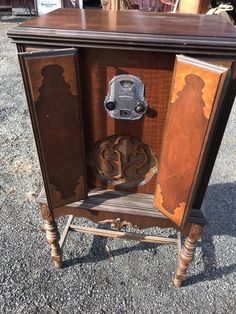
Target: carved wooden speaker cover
x,y
123,161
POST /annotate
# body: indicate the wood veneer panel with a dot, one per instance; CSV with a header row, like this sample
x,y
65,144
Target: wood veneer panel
x,y
134,22
101,205
53,97
149,31
98,67
195,98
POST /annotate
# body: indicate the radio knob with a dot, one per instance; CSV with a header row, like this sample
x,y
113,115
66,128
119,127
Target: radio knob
x,y
140,107
110,105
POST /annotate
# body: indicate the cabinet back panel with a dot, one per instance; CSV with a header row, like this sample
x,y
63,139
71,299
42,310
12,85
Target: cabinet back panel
x,y
97,68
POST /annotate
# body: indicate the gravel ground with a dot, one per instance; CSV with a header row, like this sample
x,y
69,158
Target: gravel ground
x,y
138,277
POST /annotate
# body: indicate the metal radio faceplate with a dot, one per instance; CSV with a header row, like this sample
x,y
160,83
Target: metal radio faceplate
x,y
125,99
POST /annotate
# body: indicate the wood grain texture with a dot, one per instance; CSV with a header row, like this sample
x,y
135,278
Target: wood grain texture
x,y
98,67
220,122
53,237
186,254
52,234
101,205
134,22
123,235
194,99
130,31
123,161
117,223
53,98
141,44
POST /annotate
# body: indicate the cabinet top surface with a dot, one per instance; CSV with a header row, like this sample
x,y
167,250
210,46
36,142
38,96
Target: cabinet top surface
x,y
130,30
135,22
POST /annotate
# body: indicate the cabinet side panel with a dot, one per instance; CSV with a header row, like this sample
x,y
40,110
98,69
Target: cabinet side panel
x,y
52,90
195,96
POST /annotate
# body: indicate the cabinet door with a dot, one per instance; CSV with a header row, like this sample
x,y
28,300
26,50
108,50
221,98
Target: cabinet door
x,y
197,101
51,83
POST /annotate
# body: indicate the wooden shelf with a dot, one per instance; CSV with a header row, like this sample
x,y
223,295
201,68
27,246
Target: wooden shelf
x,y
134,208
115,201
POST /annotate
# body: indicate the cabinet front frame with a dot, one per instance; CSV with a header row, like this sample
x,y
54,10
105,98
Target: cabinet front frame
x,y
196,214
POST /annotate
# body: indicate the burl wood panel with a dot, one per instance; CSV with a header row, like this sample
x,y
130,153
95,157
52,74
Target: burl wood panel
x,y
97,68
53,97
196,91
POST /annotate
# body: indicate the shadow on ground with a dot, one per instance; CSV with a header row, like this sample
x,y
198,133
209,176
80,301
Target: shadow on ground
x,y
220,213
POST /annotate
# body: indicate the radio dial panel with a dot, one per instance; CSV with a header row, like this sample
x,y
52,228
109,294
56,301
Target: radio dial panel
x,y
125,99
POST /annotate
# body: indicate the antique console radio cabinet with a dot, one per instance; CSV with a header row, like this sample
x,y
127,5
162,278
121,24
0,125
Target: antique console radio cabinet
x,y
128,111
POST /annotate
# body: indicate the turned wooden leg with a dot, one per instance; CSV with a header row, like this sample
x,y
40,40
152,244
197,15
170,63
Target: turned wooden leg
x,y
186,254
52,236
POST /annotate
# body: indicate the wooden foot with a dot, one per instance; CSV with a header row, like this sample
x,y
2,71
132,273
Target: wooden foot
x,y
186,254
52,236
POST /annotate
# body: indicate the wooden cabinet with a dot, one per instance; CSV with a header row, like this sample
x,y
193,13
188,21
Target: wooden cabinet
x,y
128,111
52,81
